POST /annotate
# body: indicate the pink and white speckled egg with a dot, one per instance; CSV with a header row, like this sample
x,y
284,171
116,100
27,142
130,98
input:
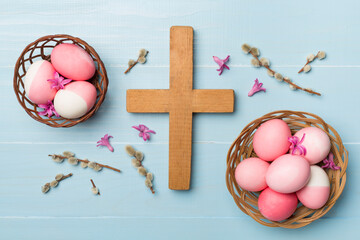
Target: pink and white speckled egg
x,y
316,142
277,206
250,174
316,193
75,100
288,173
271,139
37,88
72,62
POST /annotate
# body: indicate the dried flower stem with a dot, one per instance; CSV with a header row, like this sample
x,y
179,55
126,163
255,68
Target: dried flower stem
x,y
131,66
285,80
136,62
58,178
151,188
137,163
308,61
65,177
86,161
92,182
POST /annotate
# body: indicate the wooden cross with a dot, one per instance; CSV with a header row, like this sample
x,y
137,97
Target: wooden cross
x,y
180,101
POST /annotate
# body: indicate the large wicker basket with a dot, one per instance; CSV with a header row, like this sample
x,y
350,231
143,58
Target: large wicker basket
x,y
41,49
242,148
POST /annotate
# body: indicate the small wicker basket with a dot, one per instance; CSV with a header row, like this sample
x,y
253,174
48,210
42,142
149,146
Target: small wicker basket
x,y
41,49
242,148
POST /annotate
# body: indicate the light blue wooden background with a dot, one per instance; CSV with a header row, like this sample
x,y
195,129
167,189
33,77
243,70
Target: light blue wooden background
x,y
285,31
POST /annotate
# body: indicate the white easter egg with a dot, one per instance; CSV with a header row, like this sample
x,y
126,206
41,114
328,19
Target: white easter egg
x,y
37,87
75,100
316,192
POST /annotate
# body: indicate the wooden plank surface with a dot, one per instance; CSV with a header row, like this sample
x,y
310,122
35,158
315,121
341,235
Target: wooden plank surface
x,y
284,32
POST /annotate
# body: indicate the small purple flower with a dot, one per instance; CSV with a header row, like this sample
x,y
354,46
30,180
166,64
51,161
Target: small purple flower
x,y
104,141
58,82
296,145
329,162
49,109
144,131
221,63
257,87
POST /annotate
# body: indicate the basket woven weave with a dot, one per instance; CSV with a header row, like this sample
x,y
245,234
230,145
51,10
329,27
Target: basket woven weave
x,y
41,49
242,148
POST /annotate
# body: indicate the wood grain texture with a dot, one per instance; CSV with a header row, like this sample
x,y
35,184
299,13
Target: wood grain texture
x,y
180,101
284,32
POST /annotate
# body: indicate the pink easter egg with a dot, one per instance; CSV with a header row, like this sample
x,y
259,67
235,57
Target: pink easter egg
x,y
72,62
271,139
316,142
277,206
37,87
288,173
250,174
317,191
75,100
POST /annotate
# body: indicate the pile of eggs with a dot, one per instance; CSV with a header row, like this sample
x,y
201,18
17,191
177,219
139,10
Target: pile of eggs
x,y
284,174
72,62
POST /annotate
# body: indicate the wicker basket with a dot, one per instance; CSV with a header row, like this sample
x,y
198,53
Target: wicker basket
x,y
242,148
41,49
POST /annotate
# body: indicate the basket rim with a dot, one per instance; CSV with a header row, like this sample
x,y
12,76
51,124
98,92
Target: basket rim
x,y
69,122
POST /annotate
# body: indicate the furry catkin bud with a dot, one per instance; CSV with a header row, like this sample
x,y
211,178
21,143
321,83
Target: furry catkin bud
x,y
148,183
255,62
246,48
92,164
130,150
136,163
278,76
139,155
59,176
321,55
68,154
95,190
54,184
131,62
265,61
149,176
310,57
142,60
270,73
142,171
73,160
307,68
255,51
142,52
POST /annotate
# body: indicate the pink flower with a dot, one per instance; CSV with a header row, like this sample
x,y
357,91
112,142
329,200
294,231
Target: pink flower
x,y
256,88
221,63
144,131
104,141
58,82
49,109
329,162
296,145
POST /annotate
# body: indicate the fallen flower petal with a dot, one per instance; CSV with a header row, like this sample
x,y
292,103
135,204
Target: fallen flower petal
x,y
221,63
104,141
257,87
144,131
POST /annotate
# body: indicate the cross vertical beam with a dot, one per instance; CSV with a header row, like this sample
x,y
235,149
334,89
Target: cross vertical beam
x,y
181,86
